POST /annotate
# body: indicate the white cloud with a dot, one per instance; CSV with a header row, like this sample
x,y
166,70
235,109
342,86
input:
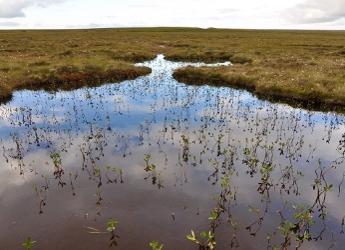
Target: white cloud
x,y
267,14
318,11
15,8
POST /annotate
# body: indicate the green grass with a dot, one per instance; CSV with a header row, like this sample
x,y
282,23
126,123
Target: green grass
x,y
291,65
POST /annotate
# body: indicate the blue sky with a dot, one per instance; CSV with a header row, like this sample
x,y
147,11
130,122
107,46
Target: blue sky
x,y
292,14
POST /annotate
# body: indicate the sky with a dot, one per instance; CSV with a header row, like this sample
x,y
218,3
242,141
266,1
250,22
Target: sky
x,y
253,14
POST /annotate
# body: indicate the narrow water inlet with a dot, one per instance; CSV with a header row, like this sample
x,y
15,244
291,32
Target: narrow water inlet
x,y
160,63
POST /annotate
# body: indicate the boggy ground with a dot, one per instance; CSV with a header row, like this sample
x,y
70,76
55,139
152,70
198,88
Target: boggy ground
x,y
307,66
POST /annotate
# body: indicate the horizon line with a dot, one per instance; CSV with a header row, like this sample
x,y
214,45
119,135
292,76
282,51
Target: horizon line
x,y
166,27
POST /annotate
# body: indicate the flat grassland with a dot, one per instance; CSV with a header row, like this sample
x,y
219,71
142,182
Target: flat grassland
x,y
306,66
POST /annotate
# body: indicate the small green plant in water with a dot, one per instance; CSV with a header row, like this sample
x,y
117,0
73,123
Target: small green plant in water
x,y
207,241
299,230
111,225
155,245
28,244
148,167
56,158
214,215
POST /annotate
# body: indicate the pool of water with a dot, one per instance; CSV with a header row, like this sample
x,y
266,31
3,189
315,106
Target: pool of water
x,y
164,158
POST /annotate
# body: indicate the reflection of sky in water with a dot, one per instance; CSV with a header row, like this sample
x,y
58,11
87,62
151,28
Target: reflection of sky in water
x,y
190,133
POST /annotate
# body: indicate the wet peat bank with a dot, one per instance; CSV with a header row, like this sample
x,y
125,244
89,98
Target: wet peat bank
x,y
70,78
292,97
152,163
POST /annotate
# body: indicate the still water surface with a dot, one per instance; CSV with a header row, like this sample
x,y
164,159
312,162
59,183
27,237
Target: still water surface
x,y
164,158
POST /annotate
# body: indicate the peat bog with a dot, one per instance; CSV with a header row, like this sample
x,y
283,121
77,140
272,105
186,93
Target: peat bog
x,y
152,163
303,67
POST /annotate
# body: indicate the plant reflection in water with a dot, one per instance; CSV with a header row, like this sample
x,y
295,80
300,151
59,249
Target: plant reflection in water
x,y
237,171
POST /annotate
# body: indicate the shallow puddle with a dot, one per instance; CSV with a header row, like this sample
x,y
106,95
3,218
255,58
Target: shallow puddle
x,y
164,158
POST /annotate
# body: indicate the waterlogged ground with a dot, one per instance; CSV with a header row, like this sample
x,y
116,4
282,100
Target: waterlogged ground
x,y
163,158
